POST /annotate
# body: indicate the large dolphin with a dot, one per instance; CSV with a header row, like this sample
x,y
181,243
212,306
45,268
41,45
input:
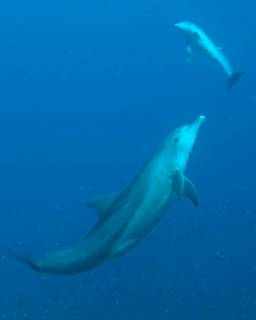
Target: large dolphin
x,y
126,217
197,40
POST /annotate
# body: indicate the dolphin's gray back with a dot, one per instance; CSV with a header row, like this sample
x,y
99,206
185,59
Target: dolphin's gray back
x,y
94,248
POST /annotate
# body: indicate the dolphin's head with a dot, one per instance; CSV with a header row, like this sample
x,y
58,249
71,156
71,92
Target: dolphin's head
x,y
186,27
180,143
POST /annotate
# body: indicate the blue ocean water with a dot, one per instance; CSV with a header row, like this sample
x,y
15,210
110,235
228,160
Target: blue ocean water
x,y
88,90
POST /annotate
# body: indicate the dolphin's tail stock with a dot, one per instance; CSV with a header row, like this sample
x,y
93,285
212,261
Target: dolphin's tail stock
x,y
233,79
25,259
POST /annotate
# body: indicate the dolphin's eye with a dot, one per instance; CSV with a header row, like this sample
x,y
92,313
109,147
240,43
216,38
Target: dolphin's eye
x,y
176,139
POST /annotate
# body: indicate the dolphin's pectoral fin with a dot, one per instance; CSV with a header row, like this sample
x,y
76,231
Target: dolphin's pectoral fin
x,y
178,183
190,192
103,203
189,49
184,187
190,57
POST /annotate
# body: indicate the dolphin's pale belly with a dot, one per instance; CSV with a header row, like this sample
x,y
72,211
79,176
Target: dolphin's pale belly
x,y
155,202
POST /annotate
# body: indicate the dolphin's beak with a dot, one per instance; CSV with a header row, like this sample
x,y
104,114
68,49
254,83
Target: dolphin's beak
x,y
196,124
200,120
178,26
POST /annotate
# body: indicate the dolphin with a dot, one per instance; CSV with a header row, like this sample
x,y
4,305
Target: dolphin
x,y
127,216
197,40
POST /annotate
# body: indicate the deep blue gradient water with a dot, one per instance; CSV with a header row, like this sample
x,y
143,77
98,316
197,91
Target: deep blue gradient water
x,y
88,90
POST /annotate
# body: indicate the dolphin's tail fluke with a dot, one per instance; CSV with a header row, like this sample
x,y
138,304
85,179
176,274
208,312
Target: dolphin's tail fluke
x,y
233,79
26,259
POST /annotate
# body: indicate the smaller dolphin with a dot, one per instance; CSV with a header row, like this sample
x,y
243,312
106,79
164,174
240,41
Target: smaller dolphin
x,y
197,39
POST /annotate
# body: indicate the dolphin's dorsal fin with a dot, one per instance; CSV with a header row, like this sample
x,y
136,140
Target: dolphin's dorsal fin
x,y
190,191
184,187
103,203
190,57
189,49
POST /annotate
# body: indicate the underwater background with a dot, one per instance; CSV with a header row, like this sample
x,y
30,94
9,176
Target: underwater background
x,y
88,90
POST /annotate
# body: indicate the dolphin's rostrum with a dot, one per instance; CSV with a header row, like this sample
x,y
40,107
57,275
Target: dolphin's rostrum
x,y
126,217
